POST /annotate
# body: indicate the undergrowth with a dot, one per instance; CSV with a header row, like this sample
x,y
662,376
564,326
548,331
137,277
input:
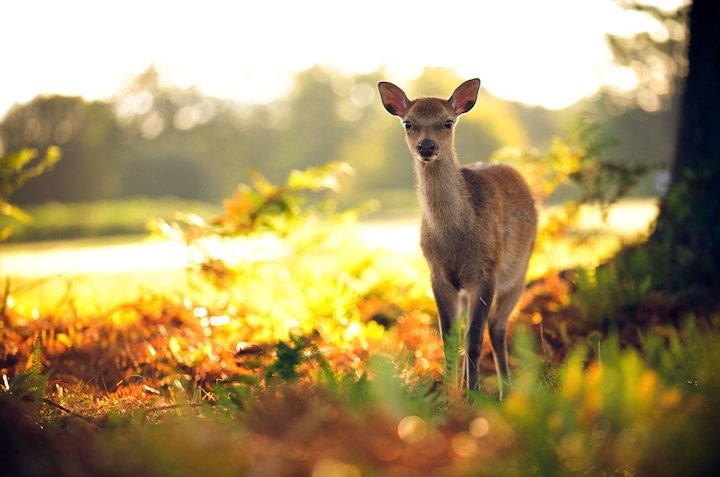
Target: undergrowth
x,y
313,356
606,409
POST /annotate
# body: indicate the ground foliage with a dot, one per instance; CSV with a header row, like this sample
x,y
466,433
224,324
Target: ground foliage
x,y
321,358
17,168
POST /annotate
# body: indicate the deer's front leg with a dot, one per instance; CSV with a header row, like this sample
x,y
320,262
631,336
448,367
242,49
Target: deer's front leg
x,y
479,303
446,299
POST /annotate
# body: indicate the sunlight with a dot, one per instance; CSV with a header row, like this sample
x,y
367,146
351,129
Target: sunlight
x,y
479,427
412,429
293,330
623,79
548,53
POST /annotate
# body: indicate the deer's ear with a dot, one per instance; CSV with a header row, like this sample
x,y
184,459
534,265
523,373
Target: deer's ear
x,y
393,98
464,96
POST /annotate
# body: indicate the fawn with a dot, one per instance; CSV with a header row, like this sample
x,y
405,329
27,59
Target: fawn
x,y
478,224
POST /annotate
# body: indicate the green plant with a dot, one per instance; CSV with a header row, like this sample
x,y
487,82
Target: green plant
x,y
293,212
454,363
289,355
604,293
16,168
612,408
30,385
262,206
601,178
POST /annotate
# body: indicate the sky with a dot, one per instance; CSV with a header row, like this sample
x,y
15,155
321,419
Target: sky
x,y
550,53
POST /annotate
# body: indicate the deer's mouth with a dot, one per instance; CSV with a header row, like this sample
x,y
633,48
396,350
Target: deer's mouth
x,y
427,150
426,160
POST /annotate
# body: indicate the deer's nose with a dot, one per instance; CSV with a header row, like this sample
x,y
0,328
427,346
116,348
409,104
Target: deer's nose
x,y
426,147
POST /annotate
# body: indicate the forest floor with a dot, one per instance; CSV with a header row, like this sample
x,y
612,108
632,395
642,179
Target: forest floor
x,y
320,357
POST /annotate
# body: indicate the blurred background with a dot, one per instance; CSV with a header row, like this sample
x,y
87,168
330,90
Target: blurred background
x,y
158,106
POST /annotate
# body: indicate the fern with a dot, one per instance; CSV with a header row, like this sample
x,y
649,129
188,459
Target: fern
x,y
30,384
454,365
288,358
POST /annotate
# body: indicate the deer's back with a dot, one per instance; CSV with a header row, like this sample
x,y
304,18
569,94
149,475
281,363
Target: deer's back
x,y
500,187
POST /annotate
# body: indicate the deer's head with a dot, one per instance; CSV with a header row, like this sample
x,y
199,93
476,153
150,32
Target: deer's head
x,y
429,122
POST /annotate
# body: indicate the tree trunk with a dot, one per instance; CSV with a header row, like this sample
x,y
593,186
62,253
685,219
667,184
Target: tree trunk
x,y
686,240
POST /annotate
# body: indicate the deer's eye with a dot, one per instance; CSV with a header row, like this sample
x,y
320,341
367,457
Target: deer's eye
x,y
407,124
449,124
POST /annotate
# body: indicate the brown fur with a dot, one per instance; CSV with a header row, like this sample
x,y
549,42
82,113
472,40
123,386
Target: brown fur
x,y
478,224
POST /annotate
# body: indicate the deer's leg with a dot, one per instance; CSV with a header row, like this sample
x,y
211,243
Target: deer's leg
x,y
446,299
480,301
498,333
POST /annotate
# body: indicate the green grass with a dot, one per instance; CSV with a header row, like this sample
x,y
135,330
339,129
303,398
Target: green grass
x,y
56,221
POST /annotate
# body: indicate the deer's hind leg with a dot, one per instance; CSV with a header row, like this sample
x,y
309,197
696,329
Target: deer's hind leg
x,y
497,327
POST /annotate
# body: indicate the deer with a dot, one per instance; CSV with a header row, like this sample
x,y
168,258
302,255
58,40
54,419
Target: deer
x,y
477,230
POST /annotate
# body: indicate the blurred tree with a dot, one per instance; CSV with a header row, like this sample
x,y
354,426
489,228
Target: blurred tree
x,y
688,230
682,255
311,128
172,176
640,119
646,138
179,142
86,131
155,139
656,59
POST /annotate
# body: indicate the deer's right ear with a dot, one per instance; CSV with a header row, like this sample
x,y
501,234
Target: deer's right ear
x,y
465,95
393,98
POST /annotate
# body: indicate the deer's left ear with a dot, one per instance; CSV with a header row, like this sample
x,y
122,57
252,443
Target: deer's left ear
x,y
464,96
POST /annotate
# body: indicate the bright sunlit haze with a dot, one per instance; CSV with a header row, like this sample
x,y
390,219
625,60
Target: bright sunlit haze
x,y
222,253
550,53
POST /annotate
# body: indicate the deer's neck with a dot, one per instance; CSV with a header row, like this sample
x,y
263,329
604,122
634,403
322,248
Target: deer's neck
x,y
442,193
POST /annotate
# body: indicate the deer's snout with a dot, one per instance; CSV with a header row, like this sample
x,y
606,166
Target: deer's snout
x,y
427,148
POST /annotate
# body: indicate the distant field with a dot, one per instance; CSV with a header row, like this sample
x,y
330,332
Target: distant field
x,y
109,218
105,271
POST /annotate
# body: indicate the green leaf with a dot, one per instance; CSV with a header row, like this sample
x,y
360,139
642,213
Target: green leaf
x,y
319,178
15,171
30,385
